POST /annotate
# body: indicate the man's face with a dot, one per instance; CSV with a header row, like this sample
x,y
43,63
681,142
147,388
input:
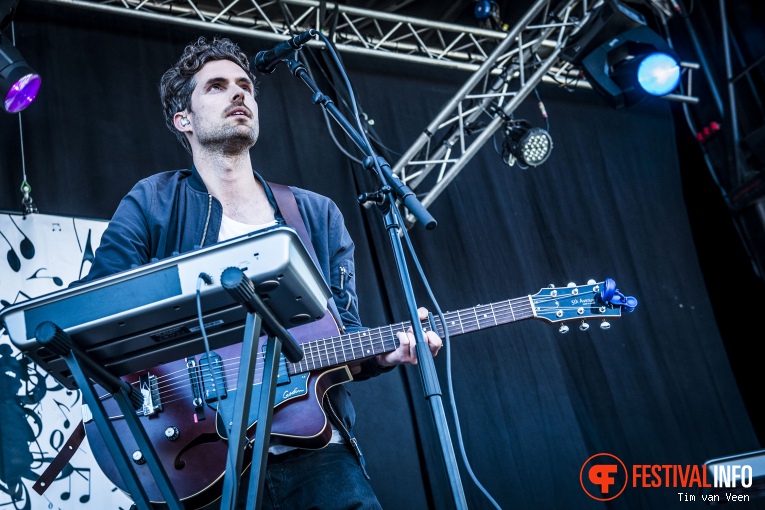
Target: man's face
x,y
223,112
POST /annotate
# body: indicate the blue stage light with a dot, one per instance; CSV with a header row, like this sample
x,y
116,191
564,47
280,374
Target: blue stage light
x,y
658,74
623,59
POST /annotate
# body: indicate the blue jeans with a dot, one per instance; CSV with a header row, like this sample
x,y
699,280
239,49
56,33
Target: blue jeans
x,y
326,479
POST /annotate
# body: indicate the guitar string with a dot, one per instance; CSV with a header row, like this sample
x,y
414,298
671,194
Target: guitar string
x,y
313,353
401,326
311,350
375,336
228,377
498,311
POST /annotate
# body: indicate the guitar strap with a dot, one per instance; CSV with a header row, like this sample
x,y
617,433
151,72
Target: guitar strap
x,y
60,461
285,199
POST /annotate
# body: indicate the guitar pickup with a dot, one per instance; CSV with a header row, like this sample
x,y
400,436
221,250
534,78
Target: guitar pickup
x,y
196,389
213,380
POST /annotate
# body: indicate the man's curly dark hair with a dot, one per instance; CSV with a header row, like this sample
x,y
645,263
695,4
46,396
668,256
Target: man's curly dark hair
x,y
178,82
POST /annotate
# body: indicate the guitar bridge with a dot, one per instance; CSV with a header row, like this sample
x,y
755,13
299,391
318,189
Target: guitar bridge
x,y
150,391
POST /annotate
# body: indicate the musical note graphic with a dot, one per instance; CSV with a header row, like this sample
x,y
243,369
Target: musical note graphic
x,y
87,255
57,439
13,259
85,474
39,413
5,303
26,247
66,416
15,300
58,281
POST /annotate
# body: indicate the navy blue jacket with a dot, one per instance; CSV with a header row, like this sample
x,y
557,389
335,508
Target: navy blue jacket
x,y
170,213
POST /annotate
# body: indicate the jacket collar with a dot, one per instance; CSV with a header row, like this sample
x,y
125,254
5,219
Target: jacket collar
x,y
196,182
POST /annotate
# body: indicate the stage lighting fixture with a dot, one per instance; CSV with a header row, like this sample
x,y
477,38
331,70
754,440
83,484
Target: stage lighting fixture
x,y
19,84
624,60
528,145
485,8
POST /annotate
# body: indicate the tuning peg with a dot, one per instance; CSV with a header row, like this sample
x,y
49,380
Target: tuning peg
x,y
591,282
605,325
571,284
609,287
584,326
563,329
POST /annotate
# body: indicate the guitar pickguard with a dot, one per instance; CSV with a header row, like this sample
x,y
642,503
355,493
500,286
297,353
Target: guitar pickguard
x,y
295,388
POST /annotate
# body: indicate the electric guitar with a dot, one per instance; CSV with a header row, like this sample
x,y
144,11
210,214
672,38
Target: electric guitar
x,y
181,416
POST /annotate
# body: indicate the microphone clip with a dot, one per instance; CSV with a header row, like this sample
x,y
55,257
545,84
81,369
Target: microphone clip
x,y
377,197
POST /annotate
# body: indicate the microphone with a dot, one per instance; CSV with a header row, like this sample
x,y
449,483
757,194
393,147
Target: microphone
x,y
266,60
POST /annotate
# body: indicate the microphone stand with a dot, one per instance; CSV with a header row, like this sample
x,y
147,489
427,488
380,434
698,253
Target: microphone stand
x,y
393,188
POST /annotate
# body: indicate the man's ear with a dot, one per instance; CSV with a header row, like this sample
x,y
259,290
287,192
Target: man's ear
x,y
182,121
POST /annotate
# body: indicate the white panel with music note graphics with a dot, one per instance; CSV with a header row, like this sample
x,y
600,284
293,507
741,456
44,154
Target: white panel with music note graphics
x,y
41,254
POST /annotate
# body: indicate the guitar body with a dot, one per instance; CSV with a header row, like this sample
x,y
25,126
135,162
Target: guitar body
x,y
195,460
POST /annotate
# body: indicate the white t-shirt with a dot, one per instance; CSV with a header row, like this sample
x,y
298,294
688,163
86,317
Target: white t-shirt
x,y
229,229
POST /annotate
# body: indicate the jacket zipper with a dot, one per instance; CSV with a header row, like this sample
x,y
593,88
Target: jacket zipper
x,y
207,221
351,438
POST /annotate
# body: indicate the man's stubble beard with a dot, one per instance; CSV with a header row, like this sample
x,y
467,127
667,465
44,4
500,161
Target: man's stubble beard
x,y
229,140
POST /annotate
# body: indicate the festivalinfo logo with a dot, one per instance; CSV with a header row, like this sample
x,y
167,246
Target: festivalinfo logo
x,y
604,477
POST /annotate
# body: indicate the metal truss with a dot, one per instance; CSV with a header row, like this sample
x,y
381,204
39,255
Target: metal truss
x,y
489,97
529,54
505,66
350,29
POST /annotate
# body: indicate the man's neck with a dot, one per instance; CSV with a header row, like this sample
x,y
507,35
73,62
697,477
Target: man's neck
x,y
230,179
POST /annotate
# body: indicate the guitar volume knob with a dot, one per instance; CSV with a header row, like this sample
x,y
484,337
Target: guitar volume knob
x,y
138,458
171,433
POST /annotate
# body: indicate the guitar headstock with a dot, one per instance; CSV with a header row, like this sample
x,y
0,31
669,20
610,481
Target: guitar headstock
x,y
600,300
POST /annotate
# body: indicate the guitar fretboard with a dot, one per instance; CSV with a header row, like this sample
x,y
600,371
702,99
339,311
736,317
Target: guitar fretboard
x,y
358,345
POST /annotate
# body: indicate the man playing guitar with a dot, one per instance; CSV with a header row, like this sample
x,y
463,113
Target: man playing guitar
x,y
208,99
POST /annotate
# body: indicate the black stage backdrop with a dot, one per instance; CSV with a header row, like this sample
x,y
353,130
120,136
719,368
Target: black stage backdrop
x,y
534,405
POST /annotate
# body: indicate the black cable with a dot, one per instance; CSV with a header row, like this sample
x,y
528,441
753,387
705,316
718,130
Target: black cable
x,y
330,126
356,109
204,277
420,271
446,345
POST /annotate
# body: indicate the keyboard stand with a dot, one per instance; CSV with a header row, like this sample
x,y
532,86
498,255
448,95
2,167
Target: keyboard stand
x,y
100,332
242,290
86,372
